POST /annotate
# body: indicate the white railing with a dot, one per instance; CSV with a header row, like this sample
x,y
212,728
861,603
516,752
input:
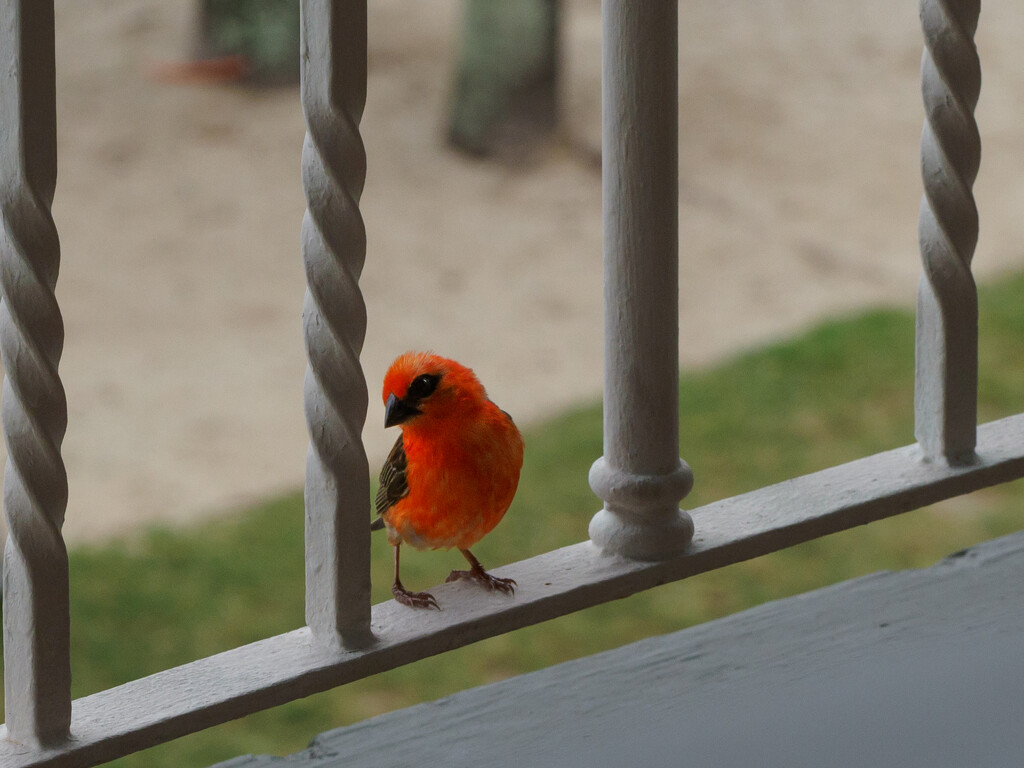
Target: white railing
x,y
639,540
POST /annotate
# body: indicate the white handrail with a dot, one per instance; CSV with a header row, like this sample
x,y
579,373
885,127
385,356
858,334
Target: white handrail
x,y
270,672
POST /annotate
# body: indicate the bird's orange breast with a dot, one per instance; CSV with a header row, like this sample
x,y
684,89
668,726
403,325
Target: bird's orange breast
x,y
462,479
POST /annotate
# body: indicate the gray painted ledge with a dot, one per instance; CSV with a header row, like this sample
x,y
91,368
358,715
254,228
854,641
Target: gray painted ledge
x,y
916,668
270,672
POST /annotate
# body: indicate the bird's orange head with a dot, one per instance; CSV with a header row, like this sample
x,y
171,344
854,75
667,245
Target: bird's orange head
x,y
422,386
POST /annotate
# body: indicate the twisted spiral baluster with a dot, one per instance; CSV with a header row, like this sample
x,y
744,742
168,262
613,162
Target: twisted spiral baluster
x,y
945,400
37,674
334,321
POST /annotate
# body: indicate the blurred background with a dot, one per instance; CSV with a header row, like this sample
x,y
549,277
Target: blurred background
x,y
179,203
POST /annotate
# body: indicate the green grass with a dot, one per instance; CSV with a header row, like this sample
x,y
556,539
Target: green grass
x,y
837,393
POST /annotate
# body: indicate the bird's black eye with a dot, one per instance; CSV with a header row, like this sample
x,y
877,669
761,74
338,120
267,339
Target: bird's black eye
x,y
422,386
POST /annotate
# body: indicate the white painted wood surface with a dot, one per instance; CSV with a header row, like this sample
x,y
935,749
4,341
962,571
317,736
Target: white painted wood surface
x,y
893,670
270,672
640,534
640,477
946,391
37,671
337,493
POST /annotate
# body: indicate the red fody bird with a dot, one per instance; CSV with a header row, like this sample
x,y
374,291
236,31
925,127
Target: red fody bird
x,y
453,471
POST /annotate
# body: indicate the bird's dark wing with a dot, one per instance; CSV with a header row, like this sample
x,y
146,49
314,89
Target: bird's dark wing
x,y
507,414
393,484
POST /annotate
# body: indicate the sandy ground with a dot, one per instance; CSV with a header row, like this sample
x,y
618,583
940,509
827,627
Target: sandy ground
x,y
179,210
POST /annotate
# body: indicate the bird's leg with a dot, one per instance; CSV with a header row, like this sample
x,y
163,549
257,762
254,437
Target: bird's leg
x,y
477,573
412,599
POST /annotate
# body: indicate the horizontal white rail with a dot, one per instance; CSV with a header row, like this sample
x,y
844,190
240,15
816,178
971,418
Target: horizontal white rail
x,y
264,674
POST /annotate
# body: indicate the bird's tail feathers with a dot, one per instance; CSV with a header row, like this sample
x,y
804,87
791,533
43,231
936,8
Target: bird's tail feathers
x,y
377,524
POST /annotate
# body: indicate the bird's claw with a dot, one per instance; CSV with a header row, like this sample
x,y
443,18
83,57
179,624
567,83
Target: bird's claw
x,y
482,577
414,599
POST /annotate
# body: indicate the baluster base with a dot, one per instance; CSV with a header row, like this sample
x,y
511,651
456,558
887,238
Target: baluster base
x,y
641,518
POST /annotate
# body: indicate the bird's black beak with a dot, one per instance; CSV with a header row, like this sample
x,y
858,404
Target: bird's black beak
x,y
396,411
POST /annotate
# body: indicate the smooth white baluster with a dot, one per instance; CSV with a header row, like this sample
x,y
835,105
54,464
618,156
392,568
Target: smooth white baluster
x,y
640,477
946,392
37,667
334,321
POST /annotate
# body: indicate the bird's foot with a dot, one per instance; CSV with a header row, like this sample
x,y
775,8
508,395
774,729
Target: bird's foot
x,y
482,577
413,599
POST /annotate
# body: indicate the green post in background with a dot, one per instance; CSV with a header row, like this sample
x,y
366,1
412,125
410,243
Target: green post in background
x,y
265,32
505,95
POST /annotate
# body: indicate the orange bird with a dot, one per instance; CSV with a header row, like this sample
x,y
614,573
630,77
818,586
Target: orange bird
x,y
453,471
